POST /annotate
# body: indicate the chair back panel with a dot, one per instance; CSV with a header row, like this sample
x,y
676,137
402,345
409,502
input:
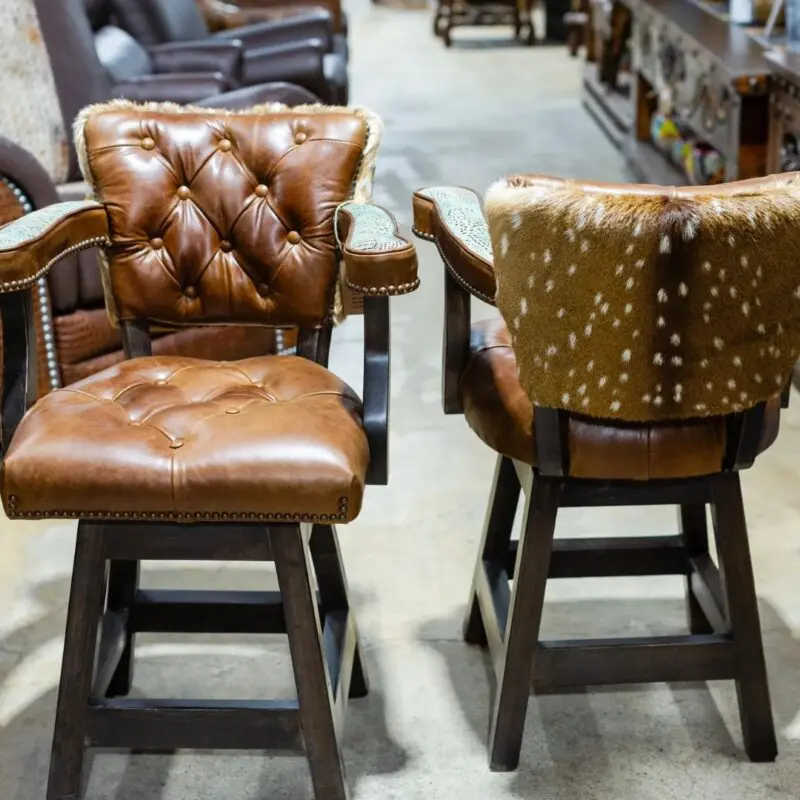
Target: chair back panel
x,y
647,303
222,217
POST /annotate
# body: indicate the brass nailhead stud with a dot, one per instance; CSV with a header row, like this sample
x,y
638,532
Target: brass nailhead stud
x,y
225,145
261,190
225,246
183,192
293,237
176,443
148,143
156,243
300,137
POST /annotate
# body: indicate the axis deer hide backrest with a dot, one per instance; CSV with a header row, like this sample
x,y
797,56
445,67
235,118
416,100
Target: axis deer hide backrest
x,y
220,216
647,303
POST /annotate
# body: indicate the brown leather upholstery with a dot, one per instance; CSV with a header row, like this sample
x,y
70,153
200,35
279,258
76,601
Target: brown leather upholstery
x,y
223,217
500,413
474,273
276,438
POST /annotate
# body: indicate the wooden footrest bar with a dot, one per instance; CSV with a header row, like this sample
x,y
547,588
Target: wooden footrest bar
x,y
195,725
596,662
189,611
613,556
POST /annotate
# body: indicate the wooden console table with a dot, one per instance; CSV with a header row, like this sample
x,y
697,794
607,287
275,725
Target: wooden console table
x,y
719,82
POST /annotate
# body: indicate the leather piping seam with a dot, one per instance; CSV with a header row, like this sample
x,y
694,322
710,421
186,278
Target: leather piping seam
x,y
88,244
400,288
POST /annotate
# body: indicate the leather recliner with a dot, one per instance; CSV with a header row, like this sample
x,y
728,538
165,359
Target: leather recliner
x,y
75,336
301,49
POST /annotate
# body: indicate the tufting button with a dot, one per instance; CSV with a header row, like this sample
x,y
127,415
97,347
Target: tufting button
x,y
148,143
300,137
225,246
156,243
261,190
176,443
184,192
232,410
190,292
225,145
263,289
293,237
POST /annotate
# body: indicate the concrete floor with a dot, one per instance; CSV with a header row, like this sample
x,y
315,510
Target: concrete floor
x,y
463,116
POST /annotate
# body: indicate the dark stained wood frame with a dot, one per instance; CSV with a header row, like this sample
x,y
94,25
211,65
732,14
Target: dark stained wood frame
x,y
507,596
455,13
107,608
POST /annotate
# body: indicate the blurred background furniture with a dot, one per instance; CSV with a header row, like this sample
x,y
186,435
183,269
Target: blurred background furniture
x,y
303,48
452,14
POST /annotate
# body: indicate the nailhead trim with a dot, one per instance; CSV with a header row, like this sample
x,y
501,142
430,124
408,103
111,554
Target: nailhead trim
x,y
458,279
194,516
401,288
13,286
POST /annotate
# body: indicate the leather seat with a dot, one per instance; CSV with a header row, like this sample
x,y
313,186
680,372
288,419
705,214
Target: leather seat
x,y
179,438
501,414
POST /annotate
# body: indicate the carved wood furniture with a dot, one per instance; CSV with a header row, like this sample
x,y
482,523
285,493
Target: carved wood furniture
x,y
608,382
713,76
204,218
455,13
607,93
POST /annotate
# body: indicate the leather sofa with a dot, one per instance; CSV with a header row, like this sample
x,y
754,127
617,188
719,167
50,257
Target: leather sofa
x,y
301,49
74,334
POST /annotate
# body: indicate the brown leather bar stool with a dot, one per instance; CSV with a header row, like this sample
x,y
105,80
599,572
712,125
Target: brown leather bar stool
x,y
646,336
208,217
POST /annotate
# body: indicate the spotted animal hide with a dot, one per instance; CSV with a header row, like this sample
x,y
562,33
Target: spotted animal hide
x,y
650,303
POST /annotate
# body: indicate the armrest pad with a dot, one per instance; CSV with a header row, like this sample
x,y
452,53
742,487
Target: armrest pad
x,y
30,245
187,87
302,63
224,56
286,94
316,24
377,260
453,217
334,7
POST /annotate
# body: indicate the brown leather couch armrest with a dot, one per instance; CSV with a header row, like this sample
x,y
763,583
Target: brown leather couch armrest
x,y
263,30
453,217
31,245
217,12
378,261
187,87
225,56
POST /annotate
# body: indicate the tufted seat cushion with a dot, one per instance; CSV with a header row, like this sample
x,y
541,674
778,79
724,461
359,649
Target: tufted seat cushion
x,y
270,438
499,411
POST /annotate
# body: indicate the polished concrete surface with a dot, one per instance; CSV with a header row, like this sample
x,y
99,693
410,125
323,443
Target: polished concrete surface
x,y
463,116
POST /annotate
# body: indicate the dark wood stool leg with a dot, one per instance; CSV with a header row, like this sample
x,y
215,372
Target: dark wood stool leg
x,y
497,532
694,530
334,595
123,584
83,616
522,627
308,661
736,570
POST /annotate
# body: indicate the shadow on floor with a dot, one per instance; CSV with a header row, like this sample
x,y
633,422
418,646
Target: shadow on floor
x,y
575,740
218,666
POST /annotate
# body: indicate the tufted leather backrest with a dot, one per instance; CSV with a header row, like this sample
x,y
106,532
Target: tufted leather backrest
x,y
221,217
649,303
